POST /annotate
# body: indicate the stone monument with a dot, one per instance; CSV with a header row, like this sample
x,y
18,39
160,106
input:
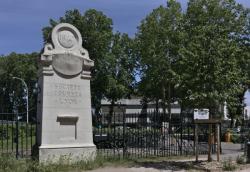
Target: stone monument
x,y
64,100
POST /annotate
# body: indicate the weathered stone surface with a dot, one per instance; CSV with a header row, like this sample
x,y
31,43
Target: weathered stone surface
x,y
64,100
66,154
67,64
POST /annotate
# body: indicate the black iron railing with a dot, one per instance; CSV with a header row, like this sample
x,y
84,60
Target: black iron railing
x,y
125,135
144,135
17,137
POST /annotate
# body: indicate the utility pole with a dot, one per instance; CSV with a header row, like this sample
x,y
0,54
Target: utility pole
x,y
27,97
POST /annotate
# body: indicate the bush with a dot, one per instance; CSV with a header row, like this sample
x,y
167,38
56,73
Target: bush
x,y
228,165
236,138
241,160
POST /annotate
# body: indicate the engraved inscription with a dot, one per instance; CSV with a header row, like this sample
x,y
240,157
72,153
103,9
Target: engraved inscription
x,y
66,39
65,94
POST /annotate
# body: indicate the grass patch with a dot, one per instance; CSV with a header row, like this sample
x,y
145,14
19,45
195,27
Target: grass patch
x,y
9,163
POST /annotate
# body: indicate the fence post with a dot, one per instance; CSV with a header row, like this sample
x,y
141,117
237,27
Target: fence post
x,y
2,135
26,139
123,133
114,137
181,136
218,141
17,136
154,126
209,158
196,142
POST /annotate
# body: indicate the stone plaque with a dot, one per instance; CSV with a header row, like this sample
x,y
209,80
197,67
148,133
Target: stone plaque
x,y
64,94
64,102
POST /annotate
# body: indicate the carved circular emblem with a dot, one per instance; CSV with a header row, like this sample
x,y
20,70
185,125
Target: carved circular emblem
x,y
66,36
66,39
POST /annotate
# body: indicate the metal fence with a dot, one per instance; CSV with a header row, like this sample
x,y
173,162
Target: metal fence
x,y
17,137
17,128
144,135
124,135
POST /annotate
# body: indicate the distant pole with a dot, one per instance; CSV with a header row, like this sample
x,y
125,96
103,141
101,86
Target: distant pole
x,y
218,141
196,142
27,97
209,143
17,136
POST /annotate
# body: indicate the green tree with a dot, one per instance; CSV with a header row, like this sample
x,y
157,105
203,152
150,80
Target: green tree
x,y
159,39
12,91
119,70
209,68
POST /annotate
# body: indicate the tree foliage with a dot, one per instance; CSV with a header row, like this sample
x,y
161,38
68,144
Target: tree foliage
x,y
119,68
159,39
12,91
210,73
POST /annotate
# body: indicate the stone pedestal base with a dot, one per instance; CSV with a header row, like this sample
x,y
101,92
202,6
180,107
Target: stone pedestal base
x,y
66,154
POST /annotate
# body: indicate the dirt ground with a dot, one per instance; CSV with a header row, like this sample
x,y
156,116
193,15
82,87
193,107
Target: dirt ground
x,y
173,166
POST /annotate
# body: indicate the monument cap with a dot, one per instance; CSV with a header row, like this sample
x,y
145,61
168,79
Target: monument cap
x,y
66,36
65,53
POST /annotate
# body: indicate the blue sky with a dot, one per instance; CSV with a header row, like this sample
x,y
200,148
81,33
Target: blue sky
x,y
21,21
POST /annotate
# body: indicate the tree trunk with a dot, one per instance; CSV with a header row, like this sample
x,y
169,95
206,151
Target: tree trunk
x,y
144,111
144,105
97,107
157,106
111,112
169,103
232,124
163,100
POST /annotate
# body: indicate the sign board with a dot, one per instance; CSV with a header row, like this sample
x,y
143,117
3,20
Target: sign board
x,y
201,114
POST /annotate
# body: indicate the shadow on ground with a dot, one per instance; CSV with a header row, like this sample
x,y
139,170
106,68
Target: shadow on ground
x,y
172,165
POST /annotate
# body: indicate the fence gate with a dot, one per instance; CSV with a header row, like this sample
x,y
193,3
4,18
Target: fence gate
x,y
144,135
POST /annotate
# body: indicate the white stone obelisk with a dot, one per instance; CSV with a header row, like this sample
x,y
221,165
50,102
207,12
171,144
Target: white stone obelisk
x,y
64,100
